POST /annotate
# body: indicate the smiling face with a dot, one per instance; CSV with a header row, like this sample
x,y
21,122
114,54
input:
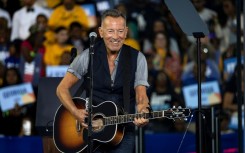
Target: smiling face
x,y
113,30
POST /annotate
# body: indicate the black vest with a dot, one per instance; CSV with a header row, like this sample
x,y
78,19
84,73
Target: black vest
x,y
103,87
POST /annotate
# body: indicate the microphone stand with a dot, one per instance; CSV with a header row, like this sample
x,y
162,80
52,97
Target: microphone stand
x,y
198,36
90,140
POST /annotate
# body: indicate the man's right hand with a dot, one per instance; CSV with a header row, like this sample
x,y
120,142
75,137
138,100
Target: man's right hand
x,y
80,115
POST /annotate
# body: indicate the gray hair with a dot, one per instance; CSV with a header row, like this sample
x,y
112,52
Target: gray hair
x,y
112,13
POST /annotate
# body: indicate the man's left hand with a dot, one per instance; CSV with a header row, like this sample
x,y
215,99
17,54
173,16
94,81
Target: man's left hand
x,y
141,122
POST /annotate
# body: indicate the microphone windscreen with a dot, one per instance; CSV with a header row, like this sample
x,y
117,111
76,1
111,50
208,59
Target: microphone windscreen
x,y
92,34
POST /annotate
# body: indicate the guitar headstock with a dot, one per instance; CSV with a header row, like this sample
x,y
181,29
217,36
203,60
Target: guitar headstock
x,y
177,113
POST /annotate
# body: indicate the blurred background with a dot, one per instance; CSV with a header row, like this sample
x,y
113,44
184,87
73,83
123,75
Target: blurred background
x,y
36,38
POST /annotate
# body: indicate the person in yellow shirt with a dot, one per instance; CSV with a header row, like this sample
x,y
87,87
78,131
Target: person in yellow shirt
x,y
67,13
133,43
55,50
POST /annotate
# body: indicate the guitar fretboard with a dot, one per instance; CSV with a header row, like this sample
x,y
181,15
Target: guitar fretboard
x,y
120,119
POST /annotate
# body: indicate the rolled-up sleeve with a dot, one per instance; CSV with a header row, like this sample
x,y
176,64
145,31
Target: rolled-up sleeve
x,y
141,75
79,66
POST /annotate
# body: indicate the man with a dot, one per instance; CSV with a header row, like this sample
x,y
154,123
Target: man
x,y
107,67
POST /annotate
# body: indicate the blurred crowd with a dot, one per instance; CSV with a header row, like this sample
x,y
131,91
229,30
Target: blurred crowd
x,y
35,34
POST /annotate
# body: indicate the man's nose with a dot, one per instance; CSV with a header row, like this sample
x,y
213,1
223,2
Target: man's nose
x,y
115,35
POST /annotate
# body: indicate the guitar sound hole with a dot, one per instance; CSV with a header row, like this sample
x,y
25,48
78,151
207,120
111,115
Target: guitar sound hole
x,y
97,123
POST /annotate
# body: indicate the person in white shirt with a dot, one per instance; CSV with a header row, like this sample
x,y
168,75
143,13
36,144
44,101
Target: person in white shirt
x,y
205,13
24,18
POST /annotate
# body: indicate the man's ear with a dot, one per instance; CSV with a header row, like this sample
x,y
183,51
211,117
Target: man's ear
x,y
101,32
126,33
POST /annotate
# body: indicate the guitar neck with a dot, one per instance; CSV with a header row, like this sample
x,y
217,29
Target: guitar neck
x,y
120,119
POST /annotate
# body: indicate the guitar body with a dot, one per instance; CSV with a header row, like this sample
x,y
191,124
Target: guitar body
x,y
70,136
107,125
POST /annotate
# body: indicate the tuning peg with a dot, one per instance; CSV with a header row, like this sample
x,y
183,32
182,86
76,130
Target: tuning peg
x,y
174,107
179,107
185,119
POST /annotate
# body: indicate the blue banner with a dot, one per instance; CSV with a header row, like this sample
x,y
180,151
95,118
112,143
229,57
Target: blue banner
x,y
17,94
56,71
210,94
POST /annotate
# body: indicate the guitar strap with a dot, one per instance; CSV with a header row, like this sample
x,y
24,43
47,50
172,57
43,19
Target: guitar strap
x,y
126,62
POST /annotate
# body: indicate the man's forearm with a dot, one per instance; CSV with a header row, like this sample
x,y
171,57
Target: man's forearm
x,y
142,100
66,99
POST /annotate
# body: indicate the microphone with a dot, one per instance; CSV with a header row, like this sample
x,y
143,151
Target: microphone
x,y
92,38
73,54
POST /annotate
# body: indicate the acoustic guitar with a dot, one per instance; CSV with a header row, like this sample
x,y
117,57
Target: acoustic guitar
x,y
107,125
